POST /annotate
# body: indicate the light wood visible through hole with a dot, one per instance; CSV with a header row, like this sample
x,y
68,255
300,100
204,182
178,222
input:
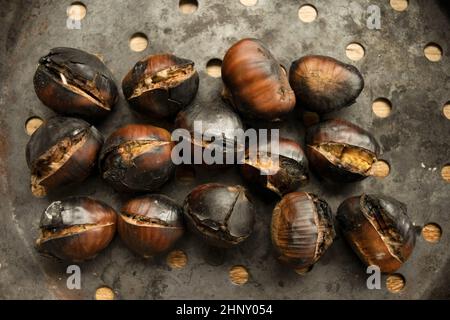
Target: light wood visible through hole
x,y
213,68
238,275
380,169
249,3
188,6
307,13
32,124
355,51
399,5
446,110
433,52
395,283
382,107
310,118
76,11
445,172
104,293
432,232
138,42
177,259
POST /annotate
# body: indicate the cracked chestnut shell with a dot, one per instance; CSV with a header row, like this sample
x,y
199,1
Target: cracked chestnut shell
x,y
378,229
222,215
255,83
137,157
302,229
161,85
323,84
340,151
280,173
61,151
75,83
76,229
150,224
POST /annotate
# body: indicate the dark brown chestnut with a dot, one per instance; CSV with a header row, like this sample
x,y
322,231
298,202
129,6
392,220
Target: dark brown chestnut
x,y
302,229
76,83
76,229
341,151
378,229
323,84
150,224
281,173
137,157
60,152
222,215
161,85
255,83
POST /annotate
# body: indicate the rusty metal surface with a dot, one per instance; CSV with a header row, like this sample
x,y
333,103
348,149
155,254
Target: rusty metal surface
x,y
394,66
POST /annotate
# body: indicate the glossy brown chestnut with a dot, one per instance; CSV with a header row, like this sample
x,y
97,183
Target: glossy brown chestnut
x,y
76,229
161,85
341,151
137,157
281,173
302,229
378,229
60,152
323,84
222,215
150,224
255,83
73,82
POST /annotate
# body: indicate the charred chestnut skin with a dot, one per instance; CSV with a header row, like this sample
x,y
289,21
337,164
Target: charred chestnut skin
x,y
338,131
221,215
323,84
302,229
255,83
90,91
378,230
76,229
137,157
174,80
286,175
79,141
150,224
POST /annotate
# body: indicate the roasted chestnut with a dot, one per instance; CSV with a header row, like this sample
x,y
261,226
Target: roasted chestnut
x,y
60,152
302,229
323,84
378,229
137,157
255,83
281,173
150,224
76,229
73,82
161,85
341,151
222,215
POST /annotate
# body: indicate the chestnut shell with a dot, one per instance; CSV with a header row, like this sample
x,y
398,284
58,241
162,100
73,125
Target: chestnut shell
x,y
150,224
76,229
378,229
161,85
87,89
255,83
323,84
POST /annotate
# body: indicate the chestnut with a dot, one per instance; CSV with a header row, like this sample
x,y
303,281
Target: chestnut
x,y
378,229
137,157
150,224
340,151
75,83
323,84
302,229
281,173
255,83
60,152
222,215
161,85
76,229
